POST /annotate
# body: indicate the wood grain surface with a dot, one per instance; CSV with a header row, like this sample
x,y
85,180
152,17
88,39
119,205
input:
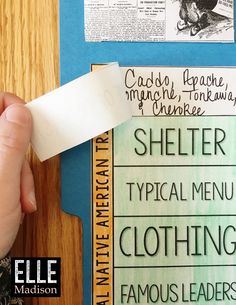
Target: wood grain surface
x,y
29,65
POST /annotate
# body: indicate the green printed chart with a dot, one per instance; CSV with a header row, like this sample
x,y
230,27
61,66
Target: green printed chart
x,y
174,213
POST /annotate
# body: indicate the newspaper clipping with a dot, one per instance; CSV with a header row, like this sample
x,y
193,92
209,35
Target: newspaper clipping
x,y
159,20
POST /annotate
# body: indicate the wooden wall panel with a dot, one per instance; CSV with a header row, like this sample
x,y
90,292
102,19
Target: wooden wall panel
x,y
29,65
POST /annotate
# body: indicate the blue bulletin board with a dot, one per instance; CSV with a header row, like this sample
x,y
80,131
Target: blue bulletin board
x,y
76,56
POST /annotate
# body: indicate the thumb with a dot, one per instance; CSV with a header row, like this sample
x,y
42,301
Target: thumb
x,y
15,132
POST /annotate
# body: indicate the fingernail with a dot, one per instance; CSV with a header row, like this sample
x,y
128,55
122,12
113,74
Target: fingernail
x,y
32,201
17,114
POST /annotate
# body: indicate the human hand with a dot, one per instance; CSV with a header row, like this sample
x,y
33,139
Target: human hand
x,y
17,195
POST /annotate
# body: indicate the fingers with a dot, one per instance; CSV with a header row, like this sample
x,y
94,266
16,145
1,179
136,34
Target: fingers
x,y
28,201
27,184
15,133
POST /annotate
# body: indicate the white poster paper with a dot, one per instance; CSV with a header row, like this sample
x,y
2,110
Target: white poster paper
x,y
78,111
